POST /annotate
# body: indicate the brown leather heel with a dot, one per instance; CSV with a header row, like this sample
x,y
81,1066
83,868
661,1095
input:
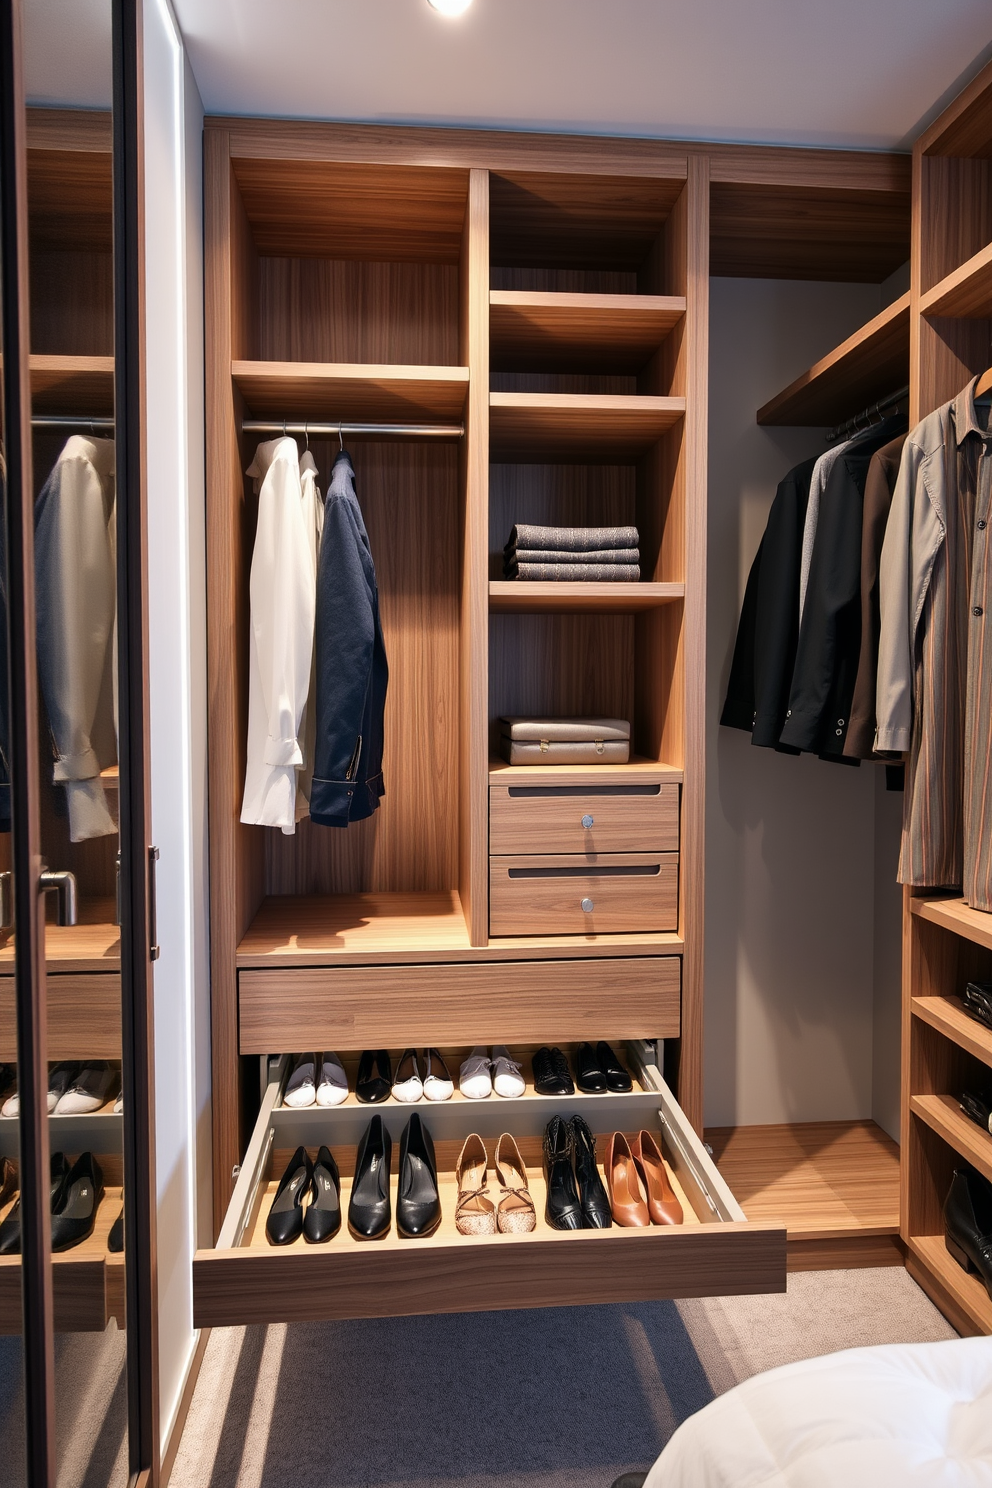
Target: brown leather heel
x,y
663,1207
623,1184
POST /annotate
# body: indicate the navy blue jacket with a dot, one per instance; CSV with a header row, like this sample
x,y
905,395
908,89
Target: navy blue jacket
x,y
351,663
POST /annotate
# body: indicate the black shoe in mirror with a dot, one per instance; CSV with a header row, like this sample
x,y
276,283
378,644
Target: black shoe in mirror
x,y
75,1209
418,1202
369,1212
285,1220
375,1077
10,1230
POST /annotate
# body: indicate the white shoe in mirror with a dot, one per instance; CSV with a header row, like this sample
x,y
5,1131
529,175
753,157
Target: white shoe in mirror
x,y
88,1089
475,1079
438,1084
301,1089
407,1084
333,1087
508,1080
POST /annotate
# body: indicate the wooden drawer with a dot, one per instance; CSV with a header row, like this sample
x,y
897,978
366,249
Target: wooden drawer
x,y
715,1252
84,1016
583,818
358,1007
595,894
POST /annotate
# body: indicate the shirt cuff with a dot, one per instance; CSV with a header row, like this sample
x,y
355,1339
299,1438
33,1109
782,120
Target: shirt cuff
x,y
892,740
283,751
330,802
89,815
81,766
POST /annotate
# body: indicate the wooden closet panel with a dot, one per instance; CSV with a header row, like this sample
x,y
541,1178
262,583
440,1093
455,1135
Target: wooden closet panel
x,y
951,353
562,382
957,213
72,302
556,495
332,310
566,281
564,220
410,500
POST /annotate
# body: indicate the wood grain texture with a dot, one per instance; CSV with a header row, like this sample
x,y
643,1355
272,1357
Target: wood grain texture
x,y
84,1016
94,944
336,310
807,231
965,1292
944,1115
578,332
964,293
965,126
565,597
956,214
569,220
957,916
958,1318
352,1007
845,1253
575,427
75,385
549,819
637,770
544,894
559,496
948,1017
70,202
72,302
329,391
865,367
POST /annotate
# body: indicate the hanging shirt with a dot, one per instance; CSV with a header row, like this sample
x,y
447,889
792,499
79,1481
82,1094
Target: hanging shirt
x,y
76,598
313,521
817,486
934,693
282,592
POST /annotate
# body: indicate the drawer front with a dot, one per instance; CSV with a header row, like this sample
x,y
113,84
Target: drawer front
x,y
594,895
358,1007
715,1252
583,819
84,1016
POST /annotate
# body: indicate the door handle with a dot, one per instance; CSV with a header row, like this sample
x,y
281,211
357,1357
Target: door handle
x,y
63,884
154,949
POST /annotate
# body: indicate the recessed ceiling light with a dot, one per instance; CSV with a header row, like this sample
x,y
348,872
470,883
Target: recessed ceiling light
x,y
451,7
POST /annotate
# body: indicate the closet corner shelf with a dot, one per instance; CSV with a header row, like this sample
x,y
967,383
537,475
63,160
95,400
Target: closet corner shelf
x,y
72,385
956,915
636,768
965,1292
858,372
578,428
568,598
944,1116
948,1017
964,294
331,390
609,333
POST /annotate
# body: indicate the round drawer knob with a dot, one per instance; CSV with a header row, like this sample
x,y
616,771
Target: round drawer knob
x,y
587,905
587,820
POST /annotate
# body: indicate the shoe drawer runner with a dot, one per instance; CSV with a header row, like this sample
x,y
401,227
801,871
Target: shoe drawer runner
x,y
714,1251
596,894
547,818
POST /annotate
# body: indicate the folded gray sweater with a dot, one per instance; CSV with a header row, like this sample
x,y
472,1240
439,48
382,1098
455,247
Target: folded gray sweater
x,y
562,555
570,539
589,573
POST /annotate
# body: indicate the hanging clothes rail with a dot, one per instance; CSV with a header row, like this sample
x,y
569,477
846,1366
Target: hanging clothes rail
x,y
82,425
867,416
330,431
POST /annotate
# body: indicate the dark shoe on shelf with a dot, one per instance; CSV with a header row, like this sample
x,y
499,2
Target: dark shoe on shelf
x,y
75,1212
968,1223
590,1079
115,1240
10,1230
592,1195
369,1212
977,1105
617,1078
375,1077
8,1179
418,1203
323,1217
563,1208
285,1221
551,1072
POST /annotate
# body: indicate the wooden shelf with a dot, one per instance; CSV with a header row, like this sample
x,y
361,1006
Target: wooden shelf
x,y
948,1017
512,596
75,386
865,367
577,428
365,393
83,1301
957,916
833,1184
965,294
967,1292
943,1114
531,331
501,773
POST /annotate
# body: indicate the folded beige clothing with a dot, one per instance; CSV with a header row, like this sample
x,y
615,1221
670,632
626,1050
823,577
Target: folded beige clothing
x,y
566,730
579,752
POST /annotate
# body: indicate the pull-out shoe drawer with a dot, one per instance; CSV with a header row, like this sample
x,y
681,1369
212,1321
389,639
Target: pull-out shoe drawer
x,y
714,1252
590,894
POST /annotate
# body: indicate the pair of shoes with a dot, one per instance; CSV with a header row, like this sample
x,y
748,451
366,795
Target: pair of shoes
x,y
576,1197
475,1212
479,1075
303,1181
303,1087
435,1083
552,1075
74,1088
10,1230
74,1195
598,1070
640,1191
418,1202
968,1223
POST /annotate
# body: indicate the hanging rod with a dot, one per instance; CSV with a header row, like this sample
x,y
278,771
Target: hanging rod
x,y
865,417
330,431
84,425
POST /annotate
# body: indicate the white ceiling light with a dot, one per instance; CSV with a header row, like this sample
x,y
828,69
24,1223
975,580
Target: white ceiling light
x,y
451,7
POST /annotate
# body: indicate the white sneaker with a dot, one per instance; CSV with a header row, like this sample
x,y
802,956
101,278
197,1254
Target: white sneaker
x,y
475,1079
11,1106
301,1088
508,1080
407,1084
333,1087
438,1084
88,1091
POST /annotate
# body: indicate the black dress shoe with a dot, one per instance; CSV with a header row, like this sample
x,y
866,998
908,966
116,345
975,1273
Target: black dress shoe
x,y
977,1105
588,1076
323,1217
551,1073
563,1209
968,1223
369,1212
115,1240
617,1078
375,1077
418,1203
592,1192
75,1210
10,1230
285,1221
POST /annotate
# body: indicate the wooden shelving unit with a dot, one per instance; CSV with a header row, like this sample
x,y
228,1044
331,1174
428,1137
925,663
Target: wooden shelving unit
x,y
637,768
610,428
531,330
330,391
965,293
77,385
507,597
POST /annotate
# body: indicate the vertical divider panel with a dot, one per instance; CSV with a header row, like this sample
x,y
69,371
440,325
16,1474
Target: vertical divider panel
x,y
473,868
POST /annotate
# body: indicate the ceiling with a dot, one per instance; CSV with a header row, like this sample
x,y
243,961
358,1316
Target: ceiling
x,y
855,73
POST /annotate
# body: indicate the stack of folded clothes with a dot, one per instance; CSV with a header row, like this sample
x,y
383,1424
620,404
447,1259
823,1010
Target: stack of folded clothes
x,y
593,554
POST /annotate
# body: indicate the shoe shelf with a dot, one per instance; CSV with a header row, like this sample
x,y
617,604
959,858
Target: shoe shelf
x,y
93,1131
943,1115
965,293
961,1296
948,1017
956,915
87,1281
536,331
714,1252
611,428
510,596
636,769
333,390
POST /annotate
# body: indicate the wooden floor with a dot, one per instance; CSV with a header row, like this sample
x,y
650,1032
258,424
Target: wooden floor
x,y
834,1184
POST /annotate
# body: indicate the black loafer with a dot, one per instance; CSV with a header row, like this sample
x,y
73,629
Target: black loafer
x,y
75,1211
588,1076
551,1072
418,1203
617,1078
369,1211
323,1217
592,1192
10,1230
285,1221
375,1077
563,1209
115,1240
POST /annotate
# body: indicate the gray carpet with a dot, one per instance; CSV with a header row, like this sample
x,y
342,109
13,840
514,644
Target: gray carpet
x,y
519,1399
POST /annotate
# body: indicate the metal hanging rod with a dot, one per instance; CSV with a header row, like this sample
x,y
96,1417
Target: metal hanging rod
x,y
865,418
84,425
331,431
